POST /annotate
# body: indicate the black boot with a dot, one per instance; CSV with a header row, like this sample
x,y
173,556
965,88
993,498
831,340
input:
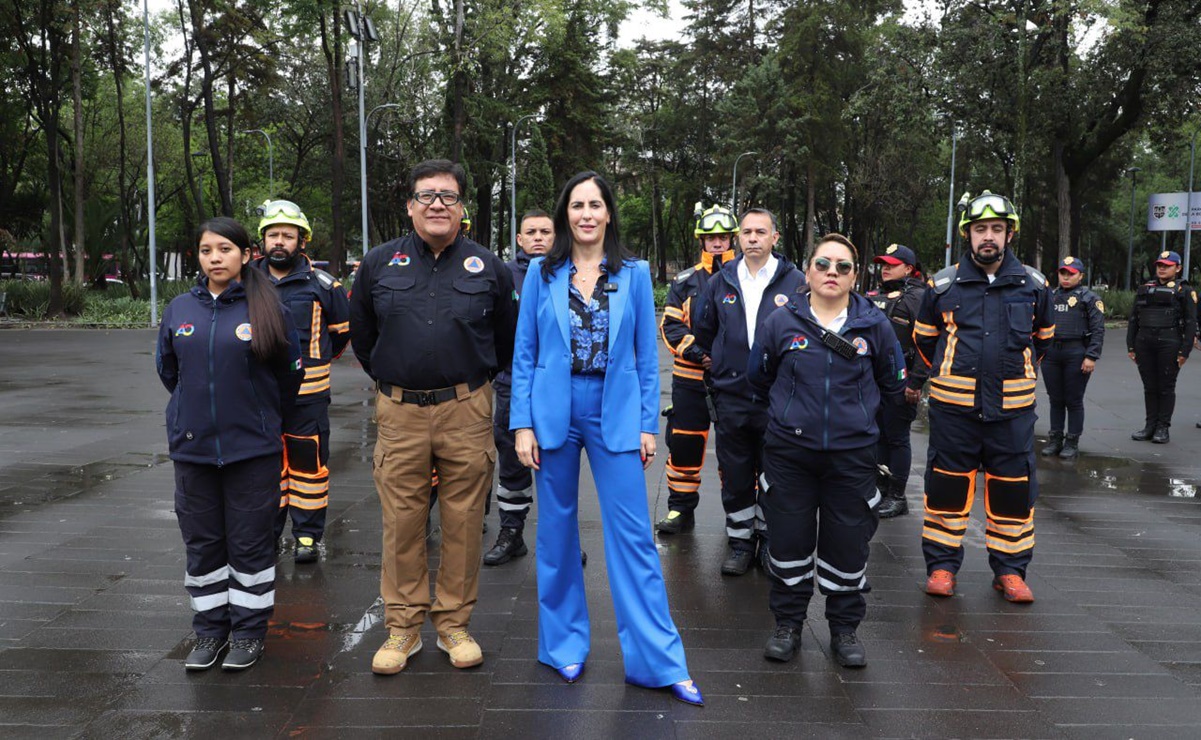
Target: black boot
x,y
847,650
1161,435
1054,444
1145,433
1071,447
894,504
676,522
509,544
783,644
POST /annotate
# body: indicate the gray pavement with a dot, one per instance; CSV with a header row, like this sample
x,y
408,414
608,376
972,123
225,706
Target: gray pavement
x,y
94,620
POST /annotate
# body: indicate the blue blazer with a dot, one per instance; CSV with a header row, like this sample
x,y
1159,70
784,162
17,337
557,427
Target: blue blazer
x,y
542,359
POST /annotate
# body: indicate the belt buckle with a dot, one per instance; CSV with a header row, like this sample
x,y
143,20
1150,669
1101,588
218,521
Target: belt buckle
x,y
426,398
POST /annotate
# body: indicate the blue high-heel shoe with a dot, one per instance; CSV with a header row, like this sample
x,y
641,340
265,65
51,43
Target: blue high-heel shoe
x,y
571,673
687,692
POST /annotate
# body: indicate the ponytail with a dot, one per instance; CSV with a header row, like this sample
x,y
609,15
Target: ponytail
x,y
268,338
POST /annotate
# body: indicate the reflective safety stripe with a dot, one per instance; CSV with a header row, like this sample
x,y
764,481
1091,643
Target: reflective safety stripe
x,y
948,355
316,371
339,328
673,312
211,601
956,399
688,371
745,515
955,382
1017,402
994,543
308,504
739,534
925,330
1048,332
302,487
317,386
942,538
835,571
1015,385
315,332
790,563
871,504
794,580
252,601
832,586
207,579
254,579
506,506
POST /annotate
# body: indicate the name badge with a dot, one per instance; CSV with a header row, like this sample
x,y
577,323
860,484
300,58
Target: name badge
x,y
610,287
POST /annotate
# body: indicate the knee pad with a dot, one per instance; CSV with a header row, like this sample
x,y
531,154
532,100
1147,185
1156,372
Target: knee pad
x,y
950,492
687,449
303,453
1007,498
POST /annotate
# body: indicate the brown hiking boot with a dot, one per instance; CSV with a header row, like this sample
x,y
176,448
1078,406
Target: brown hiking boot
x,y
394,654
463,650
1013,588
941,583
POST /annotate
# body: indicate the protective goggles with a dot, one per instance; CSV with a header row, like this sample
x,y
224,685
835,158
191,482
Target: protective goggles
x,y
427,197
998,204
822,264
716,223
273,208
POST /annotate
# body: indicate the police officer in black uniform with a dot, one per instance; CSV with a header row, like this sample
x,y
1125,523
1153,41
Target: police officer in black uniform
x,y
688,417
1069,363
899,297
1160,338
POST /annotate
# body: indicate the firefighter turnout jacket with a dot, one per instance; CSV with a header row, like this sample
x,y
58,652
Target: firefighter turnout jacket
x,y
680,312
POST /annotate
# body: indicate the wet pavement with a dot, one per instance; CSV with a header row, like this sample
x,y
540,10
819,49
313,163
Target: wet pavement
x,y
94,621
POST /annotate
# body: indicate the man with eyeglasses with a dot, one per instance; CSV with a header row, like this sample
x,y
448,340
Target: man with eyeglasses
x,y
983,328
433,316
321,311
688,416
736,302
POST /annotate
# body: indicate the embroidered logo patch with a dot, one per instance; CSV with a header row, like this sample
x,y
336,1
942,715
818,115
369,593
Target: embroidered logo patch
x,y
185,330
1101,304
781,299
860,346
473,264
895,294
243,332
799,342
399,260
891,248
730,298
1072,301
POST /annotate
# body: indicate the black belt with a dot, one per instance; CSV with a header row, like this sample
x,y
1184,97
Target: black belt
x,y
1069,340
429,398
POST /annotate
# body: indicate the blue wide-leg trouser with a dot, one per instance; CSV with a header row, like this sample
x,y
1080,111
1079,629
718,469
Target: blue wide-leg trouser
x,y
650,644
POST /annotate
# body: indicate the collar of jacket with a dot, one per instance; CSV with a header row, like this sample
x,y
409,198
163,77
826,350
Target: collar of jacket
x,y
729,270
706,262
860,311
424,248
523,258
969,270
303,266
235,292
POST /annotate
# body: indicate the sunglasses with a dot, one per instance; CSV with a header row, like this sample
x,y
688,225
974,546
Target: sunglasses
x,y
427,197
844,267
273,208
998,204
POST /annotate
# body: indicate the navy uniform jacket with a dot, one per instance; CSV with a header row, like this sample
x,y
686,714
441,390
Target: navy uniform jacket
x,y
424,324
679,316
1170,306
1079,317
983,341
225,405
819,399
721,327
321,311
518,269
900,301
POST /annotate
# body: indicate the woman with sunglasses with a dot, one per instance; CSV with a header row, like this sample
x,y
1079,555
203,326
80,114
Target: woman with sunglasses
x,y
229,354
586,378
825,362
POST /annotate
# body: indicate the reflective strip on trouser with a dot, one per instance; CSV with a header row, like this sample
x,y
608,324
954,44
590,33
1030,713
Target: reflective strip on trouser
x,y
740,433
514,496
820,511
961,445
306,453
687,435
225,515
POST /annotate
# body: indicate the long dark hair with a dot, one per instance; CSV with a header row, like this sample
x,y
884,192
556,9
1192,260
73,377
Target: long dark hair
x,y
560,250
268,338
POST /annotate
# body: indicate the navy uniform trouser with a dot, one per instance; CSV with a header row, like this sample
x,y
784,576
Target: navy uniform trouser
x,y
1065,384
687,435
225,514
304,482
821,512
514,497
1156,351
895,419
960,445
740,430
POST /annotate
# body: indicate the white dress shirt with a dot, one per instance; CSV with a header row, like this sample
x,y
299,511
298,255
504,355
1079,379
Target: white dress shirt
x,y
752,287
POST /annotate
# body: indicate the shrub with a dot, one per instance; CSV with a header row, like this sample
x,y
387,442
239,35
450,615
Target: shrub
x,y
1118,303
30,299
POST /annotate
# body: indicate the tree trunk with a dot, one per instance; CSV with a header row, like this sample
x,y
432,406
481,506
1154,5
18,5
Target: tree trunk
x,y
331,47
810,208
77,99
460,88
210,111
1063,186
124,214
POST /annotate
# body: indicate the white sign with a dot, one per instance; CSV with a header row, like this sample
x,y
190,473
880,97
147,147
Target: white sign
x,y
1166,212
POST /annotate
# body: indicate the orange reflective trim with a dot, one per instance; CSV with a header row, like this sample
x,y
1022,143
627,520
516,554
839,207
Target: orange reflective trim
x,y
301,487
339,328
957,399
673,312
685,343
1047,332
1010,532
686,372
316,371
1015,385
681,472
942,538
925,330
1028,360
283,501
948,521
992,543
316,386
315,332
1017,402
682,487
955,382
309,504
948,357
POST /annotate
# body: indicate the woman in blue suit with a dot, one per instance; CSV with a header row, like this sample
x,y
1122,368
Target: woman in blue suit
x,y
586,377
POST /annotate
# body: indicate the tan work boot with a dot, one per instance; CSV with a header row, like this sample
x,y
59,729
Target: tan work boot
x,y
463,650
394,654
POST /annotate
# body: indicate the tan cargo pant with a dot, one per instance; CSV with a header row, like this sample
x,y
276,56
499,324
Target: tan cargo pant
x,y
456,437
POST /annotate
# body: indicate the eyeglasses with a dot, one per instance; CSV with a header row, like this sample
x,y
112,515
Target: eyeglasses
x,y
274,208
427,197
844,267
998,204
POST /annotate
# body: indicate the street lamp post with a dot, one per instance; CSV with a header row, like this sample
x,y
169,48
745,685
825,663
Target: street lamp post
x,y
270,157
734,185
951,199
1133,172
363,31
363,161
1188,207
513,182
150,173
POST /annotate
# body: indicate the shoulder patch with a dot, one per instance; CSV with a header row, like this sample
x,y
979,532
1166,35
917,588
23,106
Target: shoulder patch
x,y
943,278
684,275
327,281
1039,279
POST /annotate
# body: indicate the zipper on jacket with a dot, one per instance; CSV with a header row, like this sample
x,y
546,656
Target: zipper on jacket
x,y
213,383
826,402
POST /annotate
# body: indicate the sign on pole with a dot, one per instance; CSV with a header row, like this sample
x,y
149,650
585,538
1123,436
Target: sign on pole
x,y
1167,212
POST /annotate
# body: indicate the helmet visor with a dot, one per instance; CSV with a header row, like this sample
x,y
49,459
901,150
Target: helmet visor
x,y
716,223
273,208
998,204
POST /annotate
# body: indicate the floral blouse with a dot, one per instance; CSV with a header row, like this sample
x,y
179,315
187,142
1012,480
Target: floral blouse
x,y
589,327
